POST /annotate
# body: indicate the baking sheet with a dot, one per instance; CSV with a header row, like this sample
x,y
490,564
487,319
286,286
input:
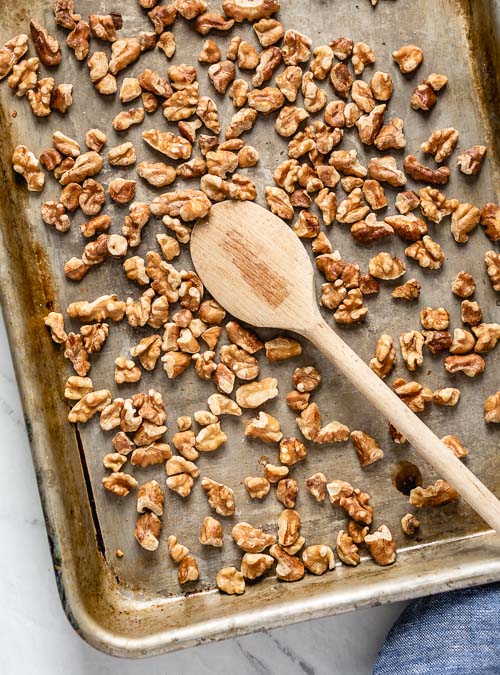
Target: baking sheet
x,y
134,605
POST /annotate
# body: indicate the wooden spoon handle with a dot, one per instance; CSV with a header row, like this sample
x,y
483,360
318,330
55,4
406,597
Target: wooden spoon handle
x,y
406,422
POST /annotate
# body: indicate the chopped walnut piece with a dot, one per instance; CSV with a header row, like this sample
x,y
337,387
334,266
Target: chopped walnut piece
x,y
211,533
385,356
257,487
463,342
119,483
470,364
126,371
78,39
490,220
342,48
286,493
150,498
441,143
210,438
470,161
64,13
434,204
209,52
296,48
434,319
231,581
386,267
114,461
281,349
179,465
188,570
415,395
268,31
492,261
264,427
439,494
24,76
147,531
288,567
427,253
289,119
11,53
88,406
341,80
77,387
464,219
221,75
367,448
297,401
362,55
254,565
353,208
471,312
181,483
251,539
385,170
419,172
25,163
316,484
244,365
352,500
292,450
220,497
487,335
347,550
455,445
492,408
437,341
381,546
410,524
408,58
370,229
408,227
255,394
407,201
54,213
306,379
374,194
177,550
149,455
436,81
357,532
318,559
351,310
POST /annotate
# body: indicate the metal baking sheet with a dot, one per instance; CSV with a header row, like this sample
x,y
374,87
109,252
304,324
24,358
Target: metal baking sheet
x,y
134,606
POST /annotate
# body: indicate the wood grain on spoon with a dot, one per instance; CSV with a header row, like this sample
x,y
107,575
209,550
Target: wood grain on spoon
x,y
257,268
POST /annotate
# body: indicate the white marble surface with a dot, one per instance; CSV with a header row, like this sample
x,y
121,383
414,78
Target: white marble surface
x,y
35,636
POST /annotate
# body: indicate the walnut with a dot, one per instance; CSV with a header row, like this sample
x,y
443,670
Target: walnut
x,y
367,449
257,487
54,213
265,100
342,48
419,172
25,163
288,121
470,364
385,356
408,58
166,42
391,136
316,484
157,173
471,312
250,10
455,445
362,96
315,98
251,539
296,48
181,105
362,55
11,53
437,341
318,559
423,97
464,219
410,524
382,86
179,465
347,163
341,80
50,159
374,194
292,451
254,565
370,229
64,13
147,351
408,227
150,498
211,533
75,351
150,455
77,387
89,405
130,420
351,310
412,344
288,567
184,442
470,161
407,201
385,170
434,495
492,408
162,16
104,27
122,443
434,204
122,190
147,531
188,570
413,394
177,550
168,143
297,401
119,483
492,261
441,143
264,427
490,220
382,546
384,266
352,500
209,52
287,491
78,40
306,379
353,208
347,550
85,165
220,497
427,253
148,433
248,157
114,461
230,580
487,335
368,285
221,162
255,394
463,285
434,319
125,119
274,473
24,76
126,371
221,75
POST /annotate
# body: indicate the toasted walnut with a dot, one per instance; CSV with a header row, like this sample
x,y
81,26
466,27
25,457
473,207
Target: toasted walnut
x,y
209,52
288,121
251,539
264,427
287,491
157,173
256,393
77,387
78,40
341,80
54,213
415,395
437,341
487,335
147,531
352,209
288,567
64,13
89,405
463,342
390,136
427,253
210,438
351,310
471,312
150,455
257,487
316,484
492,261
407,201
114,461
455,445
181,483
318,558
25,163
282,348
24,76
220,497
408,227
347,163
166,42
434,319
385,170
370,229
439,494
384,266
119,483
125,119
352,500
292,451
297,401
441,143
408,58
254,565
410,524
470,161
347,550
436,81
492,408
296,48
382,546
230,580
211,533
179,465
367,448
490,220
434,204
240,122
265,100
126,371
419,172
184,442
362,55
150,498
470,364
188,570
177,550
75,351
168,143
315,98
464,219
11,53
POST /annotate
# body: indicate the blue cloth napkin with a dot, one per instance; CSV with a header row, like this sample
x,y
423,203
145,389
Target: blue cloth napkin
x,y
447,634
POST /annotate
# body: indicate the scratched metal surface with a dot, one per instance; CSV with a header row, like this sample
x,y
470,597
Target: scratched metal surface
x,y
127,593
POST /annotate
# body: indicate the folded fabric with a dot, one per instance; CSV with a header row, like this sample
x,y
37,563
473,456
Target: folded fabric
x,y
454,633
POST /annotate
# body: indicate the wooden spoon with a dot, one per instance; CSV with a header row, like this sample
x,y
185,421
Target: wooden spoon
x,y
257,268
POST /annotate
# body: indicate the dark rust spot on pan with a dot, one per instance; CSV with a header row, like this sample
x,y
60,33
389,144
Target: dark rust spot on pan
x,y
263,280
